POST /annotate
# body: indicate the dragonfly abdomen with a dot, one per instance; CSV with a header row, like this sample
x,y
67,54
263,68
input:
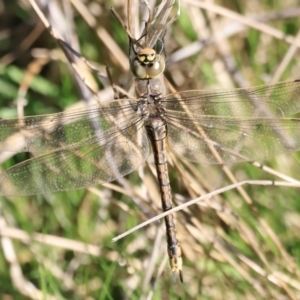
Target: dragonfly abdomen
x,y
157,132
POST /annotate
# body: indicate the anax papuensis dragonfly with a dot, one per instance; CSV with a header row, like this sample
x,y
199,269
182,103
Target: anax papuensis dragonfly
x,y
109,140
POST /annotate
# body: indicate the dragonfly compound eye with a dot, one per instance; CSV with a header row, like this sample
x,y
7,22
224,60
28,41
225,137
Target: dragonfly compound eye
x,y
147,64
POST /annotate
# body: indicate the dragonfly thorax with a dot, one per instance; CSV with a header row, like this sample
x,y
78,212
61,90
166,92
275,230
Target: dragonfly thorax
x,y
150,106
147,64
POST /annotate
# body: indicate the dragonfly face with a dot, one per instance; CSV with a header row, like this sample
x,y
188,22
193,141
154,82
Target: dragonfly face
x,y
147,64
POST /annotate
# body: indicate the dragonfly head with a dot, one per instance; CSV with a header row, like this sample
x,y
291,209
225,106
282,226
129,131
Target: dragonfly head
x,y
147,64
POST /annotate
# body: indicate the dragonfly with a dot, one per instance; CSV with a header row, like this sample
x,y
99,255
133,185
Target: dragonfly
x,y
108,140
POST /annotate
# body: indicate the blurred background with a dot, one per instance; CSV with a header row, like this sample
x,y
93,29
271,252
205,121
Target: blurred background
x,y
240,244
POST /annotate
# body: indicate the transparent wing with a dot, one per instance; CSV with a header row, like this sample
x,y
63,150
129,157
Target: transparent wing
x,y
42,134
281,99
94,155
87,164
234,125
215,140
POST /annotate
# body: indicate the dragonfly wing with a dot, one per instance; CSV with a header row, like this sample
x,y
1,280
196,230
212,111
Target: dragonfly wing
x,y
47,133
276,100
215,140
92,161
